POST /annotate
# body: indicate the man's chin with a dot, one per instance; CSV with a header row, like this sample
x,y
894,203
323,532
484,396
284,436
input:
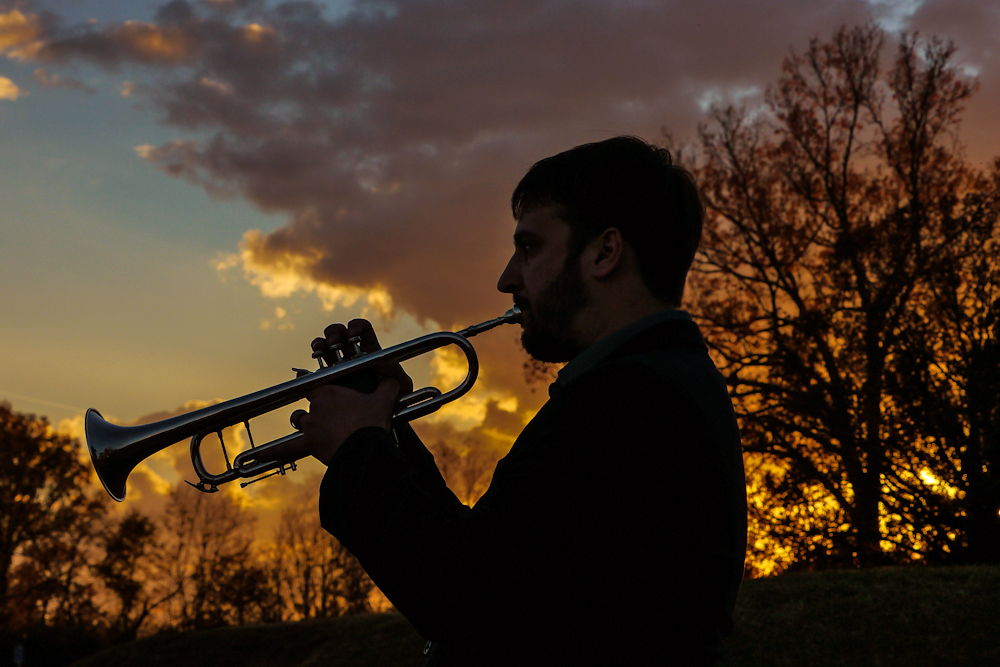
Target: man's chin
x,y
546,348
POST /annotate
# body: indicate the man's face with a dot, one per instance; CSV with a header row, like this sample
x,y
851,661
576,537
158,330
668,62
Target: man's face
x,y
546,284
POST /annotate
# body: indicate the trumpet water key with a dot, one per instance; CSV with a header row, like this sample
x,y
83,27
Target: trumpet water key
x,y
116,450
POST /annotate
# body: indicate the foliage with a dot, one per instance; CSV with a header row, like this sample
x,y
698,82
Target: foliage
x,y
49,516
910,617
358,640
129,548
847,287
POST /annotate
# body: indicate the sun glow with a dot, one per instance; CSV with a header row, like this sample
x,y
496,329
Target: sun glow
x,y
288,274
154,43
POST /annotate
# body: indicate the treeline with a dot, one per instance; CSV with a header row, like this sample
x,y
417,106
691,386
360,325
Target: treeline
x,y
68,561
849,290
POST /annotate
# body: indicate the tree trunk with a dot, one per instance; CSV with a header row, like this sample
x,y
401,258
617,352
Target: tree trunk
x,y
864,514
982,531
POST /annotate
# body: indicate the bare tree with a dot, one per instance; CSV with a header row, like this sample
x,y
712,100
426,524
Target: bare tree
x,y
845,238
315,574
467,467
207,567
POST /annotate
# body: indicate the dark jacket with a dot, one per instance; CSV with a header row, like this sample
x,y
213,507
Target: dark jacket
x,y
615,529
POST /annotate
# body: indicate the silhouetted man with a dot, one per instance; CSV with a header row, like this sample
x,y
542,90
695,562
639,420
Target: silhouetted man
x,y
615,529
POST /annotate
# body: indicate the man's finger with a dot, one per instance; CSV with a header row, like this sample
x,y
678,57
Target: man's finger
x,y
333,337
364,329
335,333
296,419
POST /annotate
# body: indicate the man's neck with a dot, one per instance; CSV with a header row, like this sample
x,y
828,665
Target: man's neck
x,y
603,317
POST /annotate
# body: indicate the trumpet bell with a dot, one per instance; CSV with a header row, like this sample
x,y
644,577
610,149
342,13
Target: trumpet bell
x,y
108,445
116,450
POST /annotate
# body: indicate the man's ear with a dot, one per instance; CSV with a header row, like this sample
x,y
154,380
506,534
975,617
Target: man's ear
x,y
606,253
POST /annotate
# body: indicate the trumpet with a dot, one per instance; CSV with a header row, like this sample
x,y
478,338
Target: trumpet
x,y
117,450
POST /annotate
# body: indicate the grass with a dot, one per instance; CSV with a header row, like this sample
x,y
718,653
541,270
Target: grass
x,y
366,640
886,617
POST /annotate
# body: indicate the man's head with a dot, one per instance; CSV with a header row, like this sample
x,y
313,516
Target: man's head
x,y
614,222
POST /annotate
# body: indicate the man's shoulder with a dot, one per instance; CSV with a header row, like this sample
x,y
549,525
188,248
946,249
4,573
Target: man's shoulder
x,y
669,354
681,335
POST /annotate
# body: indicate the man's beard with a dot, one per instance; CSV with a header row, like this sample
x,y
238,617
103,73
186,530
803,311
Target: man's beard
x,y
547,334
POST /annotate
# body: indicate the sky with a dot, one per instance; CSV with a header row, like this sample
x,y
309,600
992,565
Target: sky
x,y
191,190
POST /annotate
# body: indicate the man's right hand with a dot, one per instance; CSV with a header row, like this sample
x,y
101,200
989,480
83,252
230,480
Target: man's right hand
x,y
339,334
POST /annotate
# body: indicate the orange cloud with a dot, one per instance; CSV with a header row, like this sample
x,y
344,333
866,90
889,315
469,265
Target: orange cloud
x,y
282,275
9,89
19,35
152,44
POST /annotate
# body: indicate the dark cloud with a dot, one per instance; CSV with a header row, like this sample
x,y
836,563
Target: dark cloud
x,y
392,136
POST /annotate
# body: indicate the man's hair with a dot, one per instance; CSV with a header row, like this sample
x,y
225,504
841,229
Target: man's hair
x,y
627,183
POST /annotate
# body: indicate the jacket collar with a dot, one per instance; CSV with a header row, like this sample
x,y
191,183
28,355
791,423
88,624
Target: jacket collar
x,y
669,328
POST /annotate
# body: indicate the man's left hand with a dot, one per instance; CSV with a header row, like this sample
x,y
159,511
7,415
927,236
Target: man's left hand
x,y
335,412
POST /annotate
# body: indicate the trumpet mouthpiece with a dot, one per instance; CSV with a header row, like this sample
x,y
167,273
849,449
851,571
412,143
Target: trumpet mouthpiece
x,y
512,316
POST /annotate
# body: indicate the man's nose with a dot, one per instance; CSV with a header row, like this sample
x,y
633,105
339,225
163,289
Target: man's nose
x,y
509,282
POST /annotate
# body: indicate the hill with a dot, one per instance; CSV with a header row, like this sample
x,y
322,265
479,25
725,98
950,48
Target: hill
x,y
885,617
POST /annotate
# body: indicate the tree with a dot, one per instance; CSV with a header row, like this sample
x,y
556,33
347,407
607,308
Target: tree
x,y
207,568
315,574
949,374
467,466
847,287
129,548
49,515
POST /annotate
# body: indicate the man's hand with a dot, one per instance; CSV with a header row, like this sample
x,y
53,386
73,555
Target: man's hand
x,y
336,412
336,336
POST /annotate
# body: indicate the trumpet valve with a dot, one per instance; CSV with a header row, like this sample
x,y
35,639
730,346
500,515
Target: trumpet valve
x,y
355,343
335,350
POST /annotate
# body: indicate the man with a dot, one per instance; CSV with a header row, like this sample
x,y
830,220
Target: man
x,y
615,529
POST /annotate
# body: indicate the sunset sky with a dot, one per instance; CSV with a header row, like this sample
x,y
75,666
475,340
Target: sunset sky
x,y
191,191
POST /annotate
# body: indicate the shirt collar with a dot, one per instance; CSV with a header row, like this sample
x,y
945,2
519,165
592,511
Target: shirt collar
x,y
600,350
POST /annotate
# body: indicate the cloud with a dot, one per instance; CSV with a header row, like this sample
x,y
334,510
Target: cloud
x,y
58,81
129,42
391,138
388,138
19,35
284,274
9,89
